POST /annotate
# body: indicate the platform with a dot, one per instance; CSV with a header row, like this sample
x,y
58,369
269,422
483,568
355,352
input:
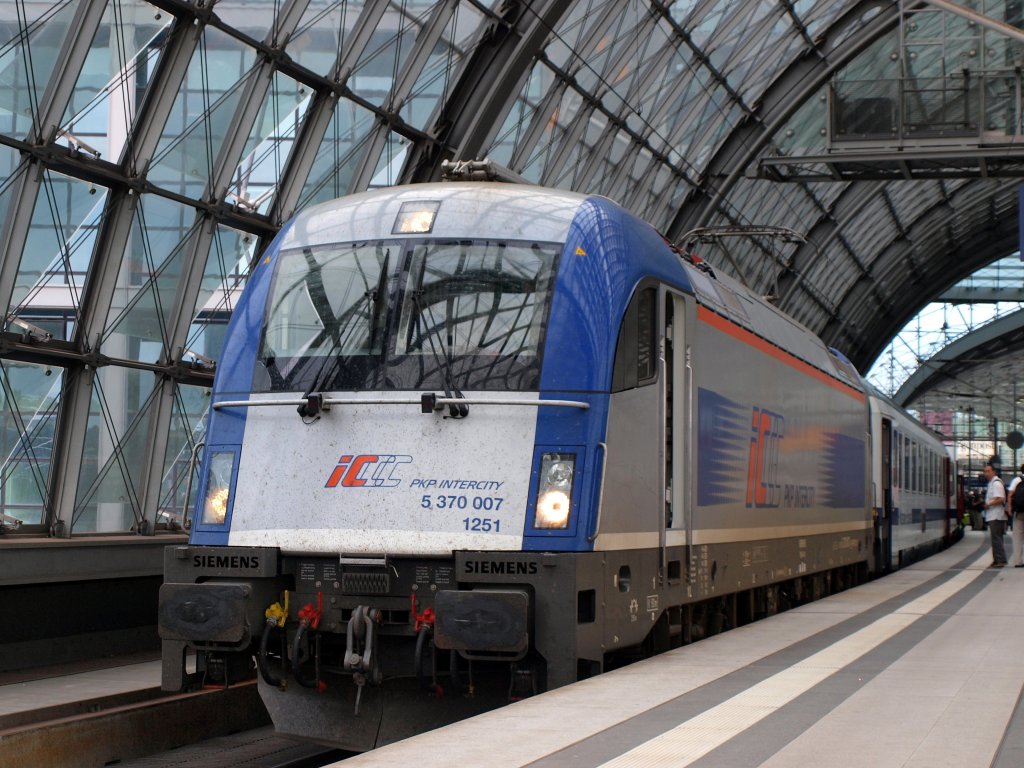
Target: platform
x,y
70,685
922,668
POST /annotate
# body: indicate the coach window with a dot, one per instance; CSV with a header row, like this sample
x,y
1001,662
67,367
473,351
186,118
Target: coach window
x,y
915,467
916,459
636,351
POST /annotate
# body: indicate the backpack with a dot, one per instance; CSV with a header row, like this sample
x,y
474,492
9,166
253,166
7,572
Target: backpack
x,y
1017,502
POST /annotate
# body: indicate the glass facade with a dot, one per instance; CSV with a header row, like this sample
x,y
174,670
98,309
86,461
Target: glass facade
x,y
149,151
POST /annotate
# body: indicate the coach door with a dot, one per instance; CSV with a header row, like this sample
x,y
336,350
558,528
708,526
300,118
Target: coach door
x,y
883,525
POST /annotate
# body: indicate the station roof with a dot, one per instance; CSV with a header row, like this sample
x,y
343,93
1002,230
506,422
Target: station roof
x,y
149,150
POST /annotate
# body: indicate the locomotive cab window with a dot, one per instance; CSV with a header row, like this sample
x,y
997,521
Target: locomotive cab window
x,y
326,303
407,315
473,315
636,351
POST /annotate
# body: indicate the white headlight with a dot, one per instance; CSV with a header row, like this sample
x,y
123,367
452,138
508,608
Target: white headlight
x,y
554,491
416,217
218,488
552,510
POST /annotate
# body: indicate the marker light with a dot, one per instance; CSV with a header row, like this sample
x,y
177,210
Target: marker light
x,y
218,488
416,217
554,490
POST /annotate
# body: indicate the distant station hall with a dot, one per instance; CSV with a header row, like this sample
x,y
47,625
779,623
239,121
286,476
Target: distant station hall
x,y
529,382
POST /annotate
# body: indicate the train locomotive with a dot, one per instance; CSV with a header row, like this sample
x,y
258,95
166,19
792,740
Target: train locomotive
x,y
471,441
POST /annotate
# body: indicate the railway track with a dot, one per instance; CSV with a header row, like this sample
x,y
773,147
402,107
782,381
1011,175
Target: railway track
x,y
258,748
114,730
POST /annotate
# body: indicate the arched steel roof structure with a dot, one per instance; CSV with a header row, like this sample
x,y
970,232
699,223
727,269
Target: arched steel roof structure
x,y
149,150
979,371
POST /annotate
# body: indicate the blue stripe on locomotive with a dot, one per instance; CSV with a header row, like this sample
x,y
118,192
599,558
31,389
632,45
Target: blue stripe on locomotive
x,y
607,253
233,381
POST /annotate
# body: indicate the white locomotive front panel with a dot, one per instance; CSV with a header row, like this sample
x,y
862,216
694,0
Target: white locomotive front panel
x,y
375,478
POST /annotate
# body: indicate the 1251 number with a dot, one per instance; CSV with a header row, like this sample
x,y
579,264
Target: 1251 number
x,y
482,524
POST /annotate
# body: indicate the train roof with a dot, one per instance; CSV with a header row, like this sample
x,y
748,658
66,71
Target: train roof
x,y
490,209
540,214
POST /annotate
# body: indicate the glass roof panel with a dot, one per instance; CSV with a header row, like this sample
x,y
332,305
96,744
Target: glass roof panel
x,y
390,162
323,33
339,154
227,268
433,83
939,324
385,56
30,398
747,18
840,36
718,115
31,35
137,325
817,15
10,177
202,114
506,139
60,245
763,57
270,143
913,199
188,427
254,18
118,68
575,31
706,22
114,455
626,45
681,10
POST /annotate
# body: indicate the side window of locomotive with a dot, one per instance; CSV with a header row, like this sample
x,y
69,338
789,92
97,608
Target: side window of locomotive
x,y
636,352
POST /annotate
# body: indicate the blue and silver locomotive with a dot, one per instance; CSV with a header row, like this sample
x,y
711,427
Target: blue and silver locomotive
x,y
487,439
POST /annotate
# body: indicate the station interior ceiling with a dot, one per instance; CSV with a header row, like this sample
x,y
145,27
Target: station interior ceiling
x,y
851,161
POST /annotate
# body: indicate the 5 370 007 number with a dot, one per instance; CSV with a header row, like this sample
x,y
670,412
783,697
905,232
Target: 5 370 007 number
x,y
451,501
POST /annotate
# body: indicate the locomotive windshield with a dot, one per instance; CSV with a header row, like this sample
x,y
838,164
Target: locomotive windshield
x,y
408,315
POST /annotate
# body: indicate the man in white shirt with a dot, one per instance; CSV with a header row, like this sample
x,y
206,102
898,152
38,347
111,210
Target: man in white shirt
x,y
995,515
1016,522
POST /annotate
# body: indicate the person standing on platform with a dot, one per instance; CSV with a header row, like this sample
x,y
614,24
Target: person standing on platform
x,y
995,515
1016,510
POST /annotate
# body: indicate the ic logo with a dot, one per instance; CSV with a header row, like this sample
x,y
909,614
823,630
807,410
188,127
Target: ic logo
x,y
766,432
366,471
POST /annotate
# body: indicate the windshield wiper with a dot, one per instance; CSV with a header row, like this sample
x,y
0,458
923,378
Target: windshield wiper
x,y
339,330
444,359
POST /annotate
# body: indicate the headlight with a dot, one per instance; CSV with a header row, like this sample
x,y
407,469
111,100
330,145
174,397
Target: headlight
x,y
218,488
554,490
416,217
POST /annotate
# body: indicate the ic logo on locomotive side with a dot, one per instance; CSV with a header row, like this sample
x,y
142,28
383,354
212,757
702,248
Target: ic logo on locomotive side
x,y
367,471
766,432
